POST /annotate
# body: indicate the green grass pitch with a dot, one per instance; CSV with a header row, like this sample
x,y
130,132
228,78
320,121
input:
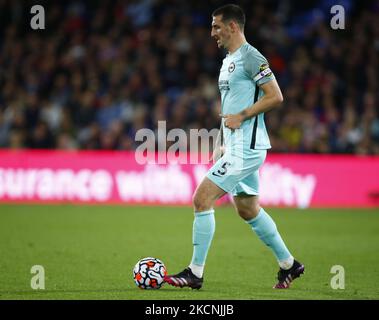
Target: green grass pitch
x,y
88,252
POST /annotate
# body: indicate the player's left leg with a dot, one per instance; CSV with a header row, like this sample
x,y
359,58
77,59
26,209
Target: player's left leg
x,y
202,234
264,226
203,230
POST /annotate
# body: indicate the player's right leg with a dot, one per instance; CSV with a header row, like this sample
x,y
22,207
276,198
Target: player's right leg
x,y
263,225
203,230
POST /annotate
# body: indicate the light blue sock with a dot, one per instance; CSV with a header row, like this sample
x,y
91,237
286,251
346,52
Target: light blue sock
x,y
203,230
266,230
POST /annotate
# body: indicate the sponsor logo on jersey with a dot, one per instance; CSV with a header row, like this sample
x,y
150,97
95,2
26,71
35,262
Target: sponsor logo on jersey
x,y
223,85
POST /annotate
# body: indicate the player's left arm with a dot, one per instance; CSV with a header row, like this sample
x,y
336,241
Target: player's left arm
x,y
258,70
272,98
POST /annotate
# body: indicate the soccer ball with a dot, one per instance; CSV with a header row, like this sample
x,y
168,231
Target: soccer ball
x,y
148,273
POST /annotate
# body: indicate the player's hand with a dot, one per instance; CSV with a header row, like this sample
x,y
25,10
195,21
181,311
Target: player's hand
x,y
232,121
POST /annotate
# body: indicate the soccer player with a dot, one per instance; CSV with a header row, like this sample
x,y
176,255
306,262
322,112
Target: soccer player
x,y
248,89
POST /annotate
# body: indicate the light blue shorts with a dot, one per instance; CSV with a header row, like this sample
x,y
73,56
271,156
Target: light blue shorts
x,y
237,175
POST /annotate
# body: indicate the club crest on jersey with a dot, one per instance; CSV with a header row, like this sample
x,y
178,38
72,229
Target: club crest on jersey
x,y
231,68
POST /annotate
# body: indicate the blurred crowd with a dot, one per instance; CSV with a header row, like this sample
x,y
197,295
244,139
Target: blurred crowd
x,y
101,70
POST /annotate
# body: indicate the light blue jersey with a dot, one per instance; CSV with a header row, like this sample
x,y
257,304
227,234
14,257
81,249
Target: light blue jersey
x,y
240,76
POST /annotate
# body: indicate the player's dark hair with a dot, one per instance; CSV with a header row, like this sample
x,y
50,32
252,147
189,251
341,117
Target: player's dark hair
x,y
231,12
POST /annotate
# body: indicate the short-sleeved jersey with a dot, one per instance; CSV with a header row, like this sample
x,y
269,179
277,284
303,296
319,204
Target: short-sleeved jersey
x,y
241,74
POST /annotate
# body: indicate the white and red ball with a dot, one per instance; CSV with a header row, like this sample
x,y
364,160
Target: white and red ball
x,y
149,273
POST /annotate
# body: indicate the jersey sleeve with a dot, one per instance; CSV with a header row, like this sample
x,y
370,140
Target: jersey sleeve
x,y
257,67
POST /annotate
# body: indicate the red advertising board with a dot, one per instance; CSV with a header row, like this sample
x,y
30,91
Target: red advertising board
x,y
116,177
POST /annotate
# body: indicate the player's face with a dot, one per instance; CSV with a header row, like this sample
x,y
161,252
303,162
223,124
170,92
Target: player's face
x,y
220,32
